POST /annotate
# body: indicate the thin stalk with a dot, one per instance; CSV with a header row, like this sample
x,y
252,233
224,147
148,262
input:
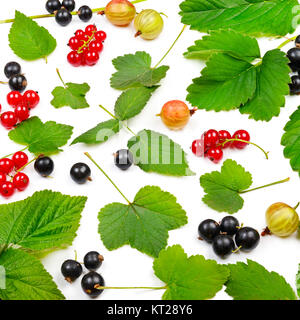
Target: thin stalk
x,y
267,185
3,82
173,44
296,206
97,165
237,249
62,81
73,13
14,153
133,288
286,42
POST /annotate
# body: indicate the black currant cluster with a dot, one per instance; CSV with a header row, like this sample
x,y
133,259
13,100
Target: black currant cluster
x,y
294,57
221,235
63,11
91,282
17,81
123,159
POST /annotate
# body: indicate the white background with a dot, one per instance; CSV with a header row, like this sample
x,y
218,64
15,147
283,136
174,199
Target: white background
x,y
126,266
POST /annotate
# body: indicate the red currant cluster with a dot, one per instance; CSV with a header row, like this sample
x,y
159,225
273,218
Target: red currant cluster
x,y
22,105
86,46
11,168
213,142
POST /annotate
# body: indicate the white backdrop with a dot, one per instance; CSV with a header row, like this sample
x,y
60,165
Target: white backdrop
x,y
126,266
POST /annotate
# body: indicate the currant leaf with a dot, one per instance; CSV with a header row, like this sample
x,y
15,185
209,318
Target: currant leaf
x,y
252,281
155,152
72,95
298,281
28,40
134,70
193,278
254,17
144,224
39,137
26,278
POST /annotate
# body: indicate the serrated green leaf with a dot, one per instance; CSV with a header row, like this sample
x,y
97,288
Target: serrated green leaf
x,y
225,84
134,70
45,221
101,133
298,281
39,137
72,95
28,40
144,224
26,278
155,152
252,281
272,86
230,42
132,101
291,140
222,188
193,278
255,17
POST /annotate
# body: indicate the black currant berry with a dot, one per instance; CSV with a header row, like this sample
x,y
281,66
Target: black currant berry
x,y
91,283
63,17
229,225
53,5
80,173
223,245
297,42
44,166
85,13
93,260
294,57
295,85
208,230
12,69
247,238
123,159
71,270
17,83
69,5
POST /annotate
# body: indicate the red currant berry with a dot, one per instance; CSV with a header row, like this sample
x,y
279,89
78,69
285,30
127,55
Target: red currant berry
x,y
6,165
242,135
74,43
2,177
90,29
91,58
7,189
223,136
79,34
31,99
20,159
215,154
8,119
22,113
100,35
211,138
21,181
198,148
96,46
74,59
14,98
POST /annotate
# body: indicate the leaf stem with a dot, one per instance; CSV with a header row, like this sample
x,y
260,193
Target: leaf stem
x,y
97,165
62,81
267,185
286,42
173,44
73,13
122,288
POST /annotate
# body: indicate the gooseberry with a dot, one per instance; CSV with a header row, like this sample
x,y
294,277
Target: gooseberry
x,y
148,24
120,12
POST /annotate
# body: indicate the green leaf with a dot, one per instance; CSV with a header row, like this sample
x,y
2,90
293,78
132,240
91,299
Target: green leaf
x,y
132,101
230,42
72,95
26,278
252,281
144,224
272,86
134,70
193,278
101,133
225,84
46,221
298,281
222,188
255,17
39,137
155,152
291,140
28,40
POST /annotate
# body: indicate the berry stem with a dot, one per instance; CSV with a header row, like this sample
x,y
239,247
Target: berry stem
x,y
3,82
296,206
286,42
62,81
73,13
14,153
267,185
249,142
97,165
86,43
173,44
237,249
122,288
